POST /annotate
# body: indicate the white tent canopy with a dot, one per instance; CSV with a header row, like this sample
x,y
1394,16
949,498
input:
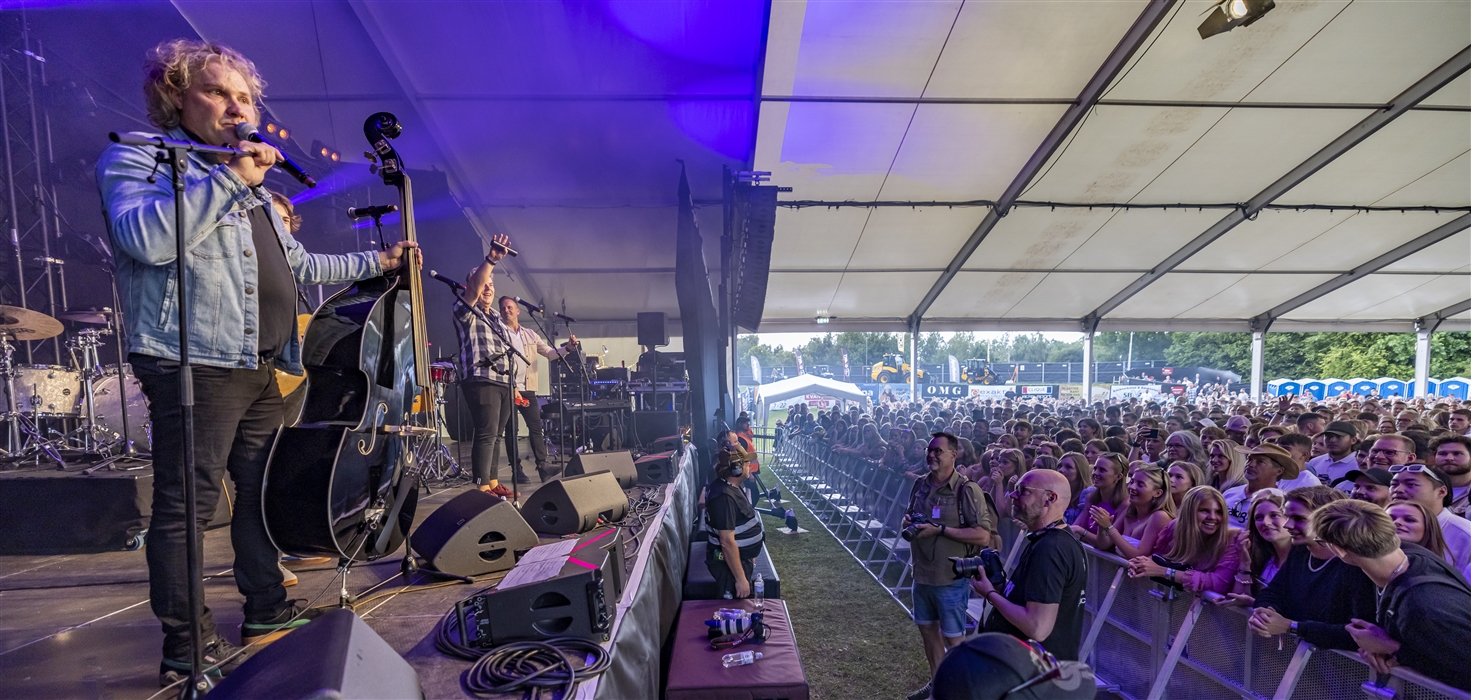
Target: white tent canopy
x,y
767,394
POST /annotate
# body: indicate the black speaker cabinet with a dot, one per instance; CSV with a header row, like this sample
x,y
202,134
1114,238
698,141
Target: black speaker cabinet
x,y
667,444
336,656
573,505
474,533
657,468
652,332
573,603
652,426
610,540
620,464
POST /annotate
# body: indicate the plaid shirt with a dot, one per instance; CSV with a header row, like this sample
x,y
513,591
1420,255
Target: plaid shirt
x,y
478,343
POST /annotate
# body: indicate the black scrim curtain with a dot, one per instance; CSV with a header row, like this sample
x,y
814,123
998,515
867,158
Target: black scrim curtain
x,y
699,322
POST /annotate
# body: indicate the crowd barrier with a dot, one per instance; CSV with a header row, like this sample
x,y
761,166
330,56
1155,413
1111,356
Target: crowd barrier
x,y
1145,641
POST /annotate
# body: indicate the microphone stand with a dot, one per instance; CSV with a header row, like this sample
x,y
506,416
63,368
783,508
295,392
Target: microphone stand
x,y
173,152
551,336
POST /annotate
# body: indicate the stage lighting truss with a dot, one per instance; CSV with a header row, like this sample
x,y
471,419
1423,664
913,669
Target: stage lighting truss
x,y
1230,14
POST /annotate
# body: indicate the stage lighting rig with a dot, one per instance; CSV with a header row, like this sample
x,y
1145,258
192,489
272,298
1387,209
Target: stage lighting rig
x,y
1230,14
325,152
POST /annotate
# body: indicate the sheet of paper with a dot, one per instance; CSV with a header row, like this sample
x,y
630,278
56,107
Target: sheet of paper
x,y
548,551
532,572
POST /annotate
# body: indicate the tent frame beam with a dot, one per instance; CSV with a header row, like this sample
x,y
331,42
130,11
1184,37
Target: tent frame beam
x,y
1422,89
1132,40
1419,243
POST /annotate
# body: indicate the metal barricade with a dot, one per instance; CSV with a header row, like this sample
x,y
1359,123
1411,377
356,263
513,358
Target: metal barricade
x,y
1145,641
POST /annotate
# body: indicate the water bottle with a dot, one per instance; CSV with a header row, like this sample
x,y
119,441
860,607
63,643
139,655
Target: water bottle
x,y
758,591
740,658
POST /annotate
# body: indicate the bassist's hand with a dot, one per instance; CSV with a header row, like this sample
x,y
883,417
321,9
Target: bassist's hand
x,y
393,257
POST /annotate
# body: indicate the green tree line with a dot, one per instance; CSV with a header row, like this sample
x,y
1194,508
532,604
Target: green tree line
x,y
1288,355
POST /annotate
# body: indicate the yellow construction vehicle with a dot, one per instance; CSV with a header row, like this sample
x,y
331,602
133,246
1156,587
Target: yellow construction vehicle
x,y
977,371
893,369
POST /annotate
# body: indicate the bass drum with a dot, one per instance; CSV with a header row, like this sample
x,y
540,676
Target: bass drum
x,y
105,395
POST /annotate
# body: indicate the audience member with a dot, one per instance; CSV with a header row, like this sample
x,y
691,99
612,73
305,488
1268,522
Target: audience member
x,y
1266,466
1415,526
1339,440
1202,543
1453,459
1110,492
1423,615
1427,486
1074,467
1183,475
1370,485
1149,509
1227,466
1270,542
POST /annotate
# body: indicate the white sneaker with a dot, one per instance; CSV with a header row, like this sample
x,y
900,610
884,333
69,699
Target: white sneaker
x,y
288,578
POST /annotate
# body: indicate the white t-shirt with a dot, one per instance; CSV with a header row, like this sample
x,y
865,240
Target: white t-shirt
x,y
1234,496
1306,478
1457,533
1327,468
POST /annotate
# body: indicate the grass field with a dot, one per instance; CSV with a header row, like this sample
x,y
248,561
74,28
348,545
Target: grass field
x,y
855,641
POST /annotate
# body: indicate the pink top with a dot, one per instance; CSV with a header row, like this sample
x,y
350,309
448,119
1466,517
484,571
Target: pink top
x,y
1218,578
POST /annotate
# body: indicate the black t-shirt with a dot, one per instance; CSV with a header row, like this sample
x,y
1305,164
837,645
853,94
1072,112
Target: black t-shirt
x,y
275,286
1053,569
1320,596
728,508
1427,609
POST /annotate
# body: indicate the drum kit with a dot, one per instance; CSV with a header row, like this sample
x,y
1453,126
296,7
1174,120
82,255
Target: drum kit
x,y
86,411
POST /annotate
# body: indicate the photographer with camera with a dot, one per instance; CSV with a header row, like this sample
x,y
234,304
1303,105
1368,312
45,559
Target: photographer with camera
x,y
1044,598
948,517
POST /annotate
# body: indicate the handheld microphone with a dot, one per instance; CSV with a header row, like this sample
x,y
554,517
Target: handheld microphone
x,y
245,131
501,246
528,305
453,284
374,211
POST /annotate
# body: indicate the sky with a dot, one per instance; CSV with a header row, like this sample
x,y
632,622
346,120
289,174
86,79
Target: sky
x,y
796,340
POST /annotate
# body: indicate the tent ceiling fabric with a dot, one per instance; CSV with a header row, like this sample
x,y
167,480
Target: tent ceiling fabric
x,y
944,102
560,124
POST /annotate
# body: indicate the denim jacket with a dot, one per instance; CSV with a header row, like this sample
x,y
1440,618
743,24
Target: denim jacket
x,y
222,269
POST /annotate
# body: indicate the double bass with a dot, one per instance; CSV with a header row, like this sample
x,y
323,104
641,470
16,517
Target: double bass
x,y
342,481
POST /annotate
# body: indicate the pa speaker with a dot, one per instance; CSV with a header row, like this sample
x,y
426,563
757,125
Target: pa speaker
x,y
473,534
574,504
657,468
610,540
572,603
336,656
619,464
650,426
755,229
668,443
652,332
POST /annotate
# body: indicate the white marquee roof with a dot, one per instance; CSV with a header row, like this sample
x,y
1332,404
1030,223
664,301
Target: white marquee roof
x,y
946,102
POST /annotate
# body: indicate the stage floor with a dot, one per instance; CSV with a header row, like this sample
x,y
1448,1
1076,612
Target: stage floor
x,y
79,626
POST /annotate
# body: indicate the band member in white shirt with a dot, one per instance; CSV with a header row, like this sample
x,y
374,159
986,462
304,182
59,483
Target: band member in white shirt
x,y
527,340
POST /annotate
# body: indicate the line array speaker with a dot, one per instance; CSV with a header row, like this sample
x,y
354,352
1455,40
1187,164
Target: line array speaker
x,y
619,464
755,211
473,534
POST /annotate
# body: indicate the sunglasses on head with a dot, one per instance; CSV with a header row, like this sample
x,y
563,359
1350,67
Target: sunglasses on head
x,y
1415,469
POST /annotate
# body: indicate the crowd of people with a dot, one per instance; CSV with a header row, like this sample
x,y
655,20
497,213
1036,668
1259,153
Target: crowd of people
x,y
1339,521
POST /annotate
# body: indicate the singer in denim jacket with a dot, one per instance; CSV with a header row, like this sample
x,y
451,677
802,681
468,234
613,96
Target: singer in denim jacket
x,y
222,315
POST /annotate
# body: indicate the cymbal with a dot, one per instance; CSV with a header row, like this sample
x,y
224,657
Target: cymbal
x,y
24,324
99,317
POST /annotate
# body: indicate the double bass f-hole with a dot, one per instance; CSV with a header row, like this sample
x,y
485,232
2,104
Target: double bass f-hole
x,y
367,447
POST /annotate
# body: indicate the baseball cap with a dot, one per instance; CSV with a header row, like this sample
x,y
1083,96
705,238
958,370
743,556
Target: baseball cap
x,y
1378,475
1238,423
1343,427
993,665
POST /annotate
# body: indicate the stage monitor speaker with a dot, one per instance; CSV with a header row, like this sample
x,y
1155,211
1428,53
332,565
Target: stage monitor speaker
x,y
336,656
668,443
658,468
619,464
652,332
650,426
573,603
755,228
573,505
610,540
473,534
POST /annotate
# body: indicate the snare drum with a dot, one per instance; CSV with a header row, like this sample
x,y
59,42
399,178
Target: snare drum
x,y
442,373
105,397
46,390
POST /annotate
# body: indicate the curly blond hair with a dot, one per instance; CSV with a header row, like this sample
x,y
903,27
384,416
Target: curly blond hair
x,y
170,67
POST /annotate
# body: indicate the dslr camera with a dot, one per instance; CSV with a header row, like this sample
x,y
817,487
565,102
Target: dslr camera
x,y
915,520
988,562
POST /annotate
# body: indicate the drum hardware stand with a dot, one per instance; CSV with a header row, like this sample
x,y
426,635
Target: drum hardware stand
x,y
173,154
35,443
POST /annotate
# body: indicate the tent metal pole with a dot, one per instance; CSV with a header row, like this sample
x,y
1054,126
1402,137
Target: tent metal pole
x,y
1258,352
914,360
1087,368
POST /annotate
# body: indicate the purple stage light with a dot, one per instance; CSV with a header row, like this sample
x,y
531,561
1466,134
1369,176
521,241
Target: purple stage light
x,y
719,32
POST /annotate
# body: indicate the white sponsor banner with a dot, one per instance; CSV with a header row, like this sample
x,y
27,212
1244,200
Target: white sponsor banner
x,y
1133,391
813,401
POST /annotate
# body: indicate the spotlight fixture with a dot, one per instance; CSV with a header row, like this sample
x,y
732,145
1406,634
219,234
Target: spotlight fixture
x,y
325,152
1230,14
825,319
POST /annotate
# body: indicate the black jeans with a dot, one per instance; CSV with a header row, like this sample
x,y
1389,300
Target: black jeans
x,y
531,415
490,408
236,415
